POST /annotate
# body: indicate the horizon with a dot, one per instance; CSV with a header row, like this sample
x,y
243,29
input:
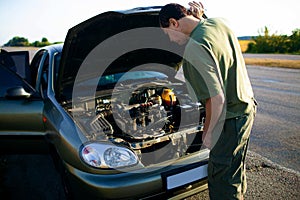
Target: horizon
x,y
36,19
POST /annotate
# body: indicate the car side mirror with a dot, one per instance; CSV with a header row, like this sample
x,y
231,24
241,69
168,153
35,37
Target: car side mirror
x,y
17,92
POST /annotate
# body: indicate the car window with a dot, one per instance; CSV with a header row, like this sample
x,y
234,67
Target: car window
x,y
9,79
16,61
21,61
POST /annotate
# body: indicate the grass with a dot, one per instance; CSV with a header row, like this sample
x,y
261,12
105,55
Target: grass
x,y
294,64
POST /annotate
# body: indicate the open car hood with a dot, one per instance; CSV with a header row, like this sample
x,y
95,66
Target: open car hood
x,y
116,42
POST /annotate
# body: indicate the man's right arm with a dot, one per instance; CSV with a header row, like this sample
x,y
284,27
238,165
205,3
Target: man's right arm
x,y
213,108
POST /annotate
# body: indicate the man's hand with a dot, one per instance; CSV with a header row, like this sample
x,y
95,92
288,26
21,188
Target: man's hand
x,y
197,9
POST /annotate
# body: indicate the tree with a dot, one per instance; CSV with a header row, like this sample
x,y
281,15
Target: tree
x,y
21,41
44,42
295,41
17,41
267,43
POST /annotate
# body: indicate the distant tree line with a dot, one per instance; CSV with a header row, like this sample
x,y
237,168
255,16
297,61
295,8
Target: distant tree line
x,y
264,43
23,42
272,43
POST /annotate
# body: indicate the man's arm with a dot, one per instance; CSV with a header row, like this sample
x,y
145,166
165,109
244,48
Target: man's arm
x,y
213,108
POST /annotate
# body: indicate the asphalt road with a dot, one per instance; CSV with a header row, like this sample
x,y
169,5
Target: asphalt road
x,y
276,131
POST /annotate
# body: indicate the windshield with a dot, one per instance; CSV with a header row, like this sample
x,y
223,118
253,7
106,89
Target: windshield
x,y
134,75
109,81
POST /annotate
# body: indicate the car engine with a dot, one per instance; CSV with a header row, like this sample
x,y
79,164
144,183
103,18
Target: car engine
x,y
147,119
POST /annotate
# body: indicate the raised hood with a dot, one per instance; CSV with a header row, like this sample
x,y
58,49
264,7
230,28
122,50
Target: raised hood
x,y
109,30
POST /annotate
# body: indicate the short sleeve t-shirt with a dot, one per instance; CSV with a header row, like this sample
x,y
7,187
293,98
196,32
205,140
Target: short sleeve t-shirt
x,y
213,63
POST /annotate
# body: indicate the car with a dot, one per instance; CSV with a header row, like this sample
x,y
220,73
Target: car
x,y
108,106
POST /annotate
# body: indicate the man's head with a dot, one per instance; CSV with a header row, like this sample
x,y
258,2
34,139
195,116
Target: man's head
x,y
171,11
177,22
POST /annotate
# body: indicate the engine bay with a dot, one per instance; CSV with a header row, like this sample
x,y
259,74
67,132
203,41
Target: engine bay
x,y
147,119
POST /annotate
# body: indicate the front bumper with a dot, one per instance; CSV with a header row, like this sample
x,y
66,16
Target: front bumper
x,y
142,184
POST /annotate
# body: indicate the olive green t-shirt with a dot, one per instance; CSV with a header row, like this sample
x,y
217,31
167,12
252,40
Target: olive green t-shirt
x,y
213,63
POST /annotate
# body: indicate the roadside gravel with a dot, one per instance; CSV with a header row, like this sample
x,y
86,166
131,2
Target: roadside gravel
x,y
266,180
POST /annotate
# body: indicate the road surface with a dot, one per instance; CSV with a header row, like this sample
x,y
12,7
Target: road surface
x,y
276,131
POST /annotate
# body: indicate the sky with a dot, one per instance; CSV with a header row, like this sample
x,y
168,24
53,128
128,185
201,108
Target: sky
x,y
35,19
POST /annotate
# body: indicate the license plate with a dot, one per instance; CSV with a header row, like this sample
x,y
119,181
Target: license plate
x,y
185,177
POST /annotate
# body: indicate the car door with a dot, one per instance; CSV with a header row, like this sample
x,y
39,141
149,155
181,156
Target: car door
x,y
21,108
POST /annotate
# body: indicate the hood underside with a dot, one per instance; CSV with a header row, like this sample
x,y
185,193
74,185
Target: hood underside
x,y
120,41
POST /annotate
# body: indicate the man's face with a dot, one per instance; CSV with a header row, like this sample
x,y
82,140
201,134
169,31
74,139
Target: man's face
x,y
175,34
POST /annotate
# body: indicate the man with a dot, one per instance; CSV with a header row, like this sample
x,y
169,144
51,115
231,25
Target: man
x,y
215,72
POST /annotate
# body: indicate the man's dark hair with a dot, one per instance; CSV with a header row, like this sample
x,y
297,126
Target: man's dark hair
x,y
172,10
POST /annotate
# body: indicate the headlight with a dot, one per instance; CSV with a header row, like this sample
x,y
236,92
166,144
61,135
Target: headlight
x,y
101,155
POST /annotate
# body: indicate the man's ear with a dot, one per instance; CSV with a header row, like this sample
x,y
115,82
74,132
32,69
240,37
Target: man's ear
x,y
173,23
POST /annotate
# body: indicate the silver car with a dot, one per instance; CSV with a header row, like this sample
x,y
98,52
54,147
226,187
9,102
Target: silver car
x,y
110,106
